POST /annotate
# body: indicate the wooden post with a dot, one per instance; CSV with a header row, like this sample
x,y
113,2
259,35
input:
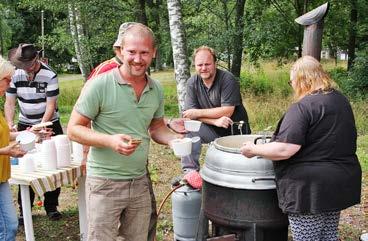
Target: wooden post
x,y
313,30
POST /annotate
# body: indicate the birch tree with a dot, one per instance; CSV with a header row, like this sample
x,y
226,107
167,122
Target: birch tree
x,y
179,47
79,39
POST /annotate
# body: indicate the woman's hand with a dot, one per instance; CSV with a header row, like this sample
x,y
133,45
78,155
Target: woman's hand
x,y
14,150
247,149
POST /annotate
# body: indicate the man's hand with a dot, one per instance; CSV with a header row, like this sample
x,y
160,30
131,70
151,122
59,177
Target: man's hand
x,y
177,125
42,134
192,114
123,144
223,122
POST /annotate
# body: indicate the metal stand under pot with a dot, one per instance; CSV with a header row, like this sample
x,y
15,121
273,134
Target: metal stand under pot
x,y
239,195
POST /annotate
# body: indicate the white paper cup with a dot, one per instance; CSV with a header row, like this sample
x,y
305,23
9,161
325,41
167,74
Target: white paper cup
x,y
192,125
77,151
182,147
26,140
27,163
63,153
61,140
38,147
48,155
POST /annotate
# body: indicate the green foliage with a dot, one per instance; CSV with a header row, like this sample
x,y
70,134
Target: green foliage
x,y
359,74
341,77
360,109
171,101
270,31
362,151
258,85
353,83
265,82
69,93
336,27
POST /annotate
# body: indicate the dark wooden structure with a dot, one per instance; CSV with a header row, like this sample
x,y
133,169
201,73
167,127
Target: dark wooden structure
x,y
313,30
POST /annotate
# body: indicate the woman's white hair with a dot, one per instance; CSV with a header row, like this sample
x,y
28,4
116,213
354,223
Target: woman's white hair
x,y
6,68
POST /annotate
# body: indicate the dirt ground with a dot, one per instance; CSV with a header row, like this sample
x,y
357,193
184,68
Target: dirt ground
x,y
164,166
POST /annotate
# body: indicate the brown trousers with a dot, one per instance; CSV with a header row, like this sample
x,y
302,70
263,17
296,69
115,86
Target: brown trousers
x,y
118,208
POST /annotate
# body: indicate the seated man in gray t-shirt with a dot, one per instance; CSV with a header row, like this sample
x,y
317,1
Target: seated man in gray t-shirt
x,y
212,97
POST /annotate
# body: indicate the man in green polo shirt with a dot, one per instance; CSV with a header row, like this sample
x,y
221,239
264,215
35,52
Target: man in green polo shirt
x,y
126,109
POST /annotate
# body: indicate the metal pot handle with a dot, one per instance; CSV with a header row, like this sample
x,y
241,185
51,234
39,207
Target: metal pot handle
x,y
261,138
264,179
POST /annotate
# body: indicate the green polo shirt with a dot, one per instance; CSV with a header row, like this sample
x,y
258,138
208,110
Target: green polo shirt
x,y
110,102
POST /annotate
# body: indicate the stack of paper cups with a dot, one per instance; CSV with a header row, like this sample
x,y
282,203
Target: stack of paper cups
x,y
27,163
48,155
77,152
63,155
63,150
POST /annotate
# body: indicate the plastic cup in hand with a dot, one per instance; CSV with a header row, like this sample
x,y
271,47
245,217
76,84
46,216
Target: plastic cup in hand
x,y
182,147
192,125
26,140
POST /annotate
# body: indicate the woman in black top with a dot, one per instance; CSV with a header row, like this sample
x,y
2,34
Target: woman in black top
x,y
317,171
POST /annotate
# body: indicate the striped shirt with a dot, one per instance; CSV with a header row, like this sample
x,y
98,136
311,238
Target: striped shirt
x,y
32,95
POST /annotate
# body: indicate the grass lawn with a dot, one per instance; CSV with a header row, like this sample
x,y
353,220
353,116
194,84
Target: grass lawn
x,y
264,110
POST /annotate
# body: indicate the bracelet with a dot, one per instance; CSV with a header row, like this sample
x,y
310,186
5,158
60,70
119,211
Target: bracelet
x,y
168,123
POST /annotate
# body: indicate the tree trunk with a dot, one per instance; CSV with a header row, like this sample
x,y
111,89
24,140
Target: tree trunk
x,y
141,17
352,33
2,51
76,30
238,38
228,43
155,8
141,12
301,7
179,47
156,17
85,54
305,6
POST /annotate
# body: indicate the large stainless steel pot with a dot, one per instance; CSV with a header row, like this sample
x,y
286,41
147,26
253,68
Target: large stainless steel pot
x,y
226,166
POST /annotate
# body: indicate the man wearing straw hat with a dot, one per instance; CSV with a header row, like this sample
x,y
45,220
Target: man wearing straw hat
x,y
35,86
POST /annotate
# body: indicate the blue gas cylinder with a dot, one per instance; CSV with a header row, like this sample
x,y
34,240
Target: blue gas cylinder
x,y
186,205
